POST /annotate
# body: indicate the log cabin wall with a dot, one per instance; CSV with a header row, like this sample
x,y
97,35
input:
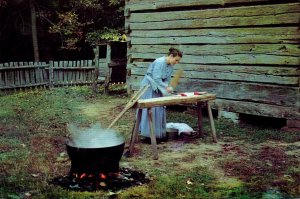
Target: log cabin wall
x,y
244,51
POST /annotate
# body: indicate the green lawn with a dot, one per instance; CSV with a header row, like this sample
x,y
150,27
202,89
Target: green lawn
x,y
247,162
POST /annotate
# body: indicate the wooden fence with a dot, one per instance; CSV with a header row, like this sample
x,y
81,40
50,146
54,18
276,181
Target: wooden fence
x,y
54,73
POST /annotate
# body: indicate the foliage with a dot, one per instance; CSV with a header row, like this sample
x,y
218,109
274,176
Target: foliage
x,y
68,22
104,36
69,28
2,3
90,21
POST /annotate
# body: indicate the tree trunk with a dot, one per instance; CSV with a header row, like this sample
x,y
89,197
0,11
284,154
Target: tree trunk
x,y
34,32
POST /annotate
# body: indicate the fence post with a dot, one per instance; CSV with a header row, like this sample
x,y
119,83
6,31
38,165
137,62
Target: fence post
x,y
50,74
108,60
96,71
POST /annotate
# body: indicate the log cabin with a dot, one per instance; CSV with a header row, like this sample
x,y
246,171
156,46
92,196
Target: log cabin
x,y
244,51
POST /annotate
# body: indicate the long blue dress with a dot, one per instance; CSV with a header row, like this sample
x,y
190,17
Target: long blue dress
x,y
158,77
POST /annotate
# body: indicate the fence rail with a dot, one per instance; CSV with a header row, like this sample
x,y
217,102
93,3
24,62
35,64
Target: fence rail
x,y
54,73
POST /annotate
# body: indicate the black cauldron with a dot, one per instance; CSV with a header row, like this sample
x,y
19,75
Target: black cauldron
x,y
94,150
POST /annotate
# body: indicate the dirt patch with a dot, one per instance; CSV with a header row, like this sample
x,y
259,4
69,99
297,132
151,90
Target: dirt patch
x,y
103,110
53,148
264,168
233,161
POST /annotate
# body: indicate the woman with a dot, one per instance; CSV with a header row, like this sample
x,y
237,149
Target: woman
x,y
158,77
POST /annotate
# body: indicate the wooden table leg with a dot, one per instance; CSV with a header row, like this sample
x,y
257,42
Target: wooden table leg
x,y
152,135
135,131
199,113
212,124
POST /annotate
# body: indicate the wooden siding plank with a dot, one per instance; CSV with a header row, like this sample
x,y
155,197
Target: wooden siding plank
x,y
27,75
232,76
77,76
51,74
80,72
23,67
280,19
73,68
242,91
42,72
138,5
74,73
262,70
222,17
228,59
153,5
254,92
270,49
37,72
32,74
217,36
90,73
65,73
22,74
2,77
45,74
83,73
10,78
235,32
55,73
215,14
17,74
23,86
61,73
266,110
5,75
69,74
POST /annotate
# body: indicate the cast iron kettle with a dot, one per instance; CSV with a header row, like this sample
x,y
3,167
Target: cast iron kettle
x,y
94,150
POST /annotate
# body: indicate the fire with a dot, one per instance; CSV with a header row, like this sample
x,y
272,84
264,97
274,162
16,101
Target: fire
x,y
83,175
86,175
102,176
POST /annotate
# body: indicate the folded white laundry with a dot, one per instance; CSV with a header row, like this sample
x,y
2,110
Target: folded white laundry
x,y
182,127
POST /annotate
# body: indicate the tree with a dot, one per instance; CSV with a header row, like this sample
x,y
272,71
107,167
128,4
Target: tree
x,y
75,23
15,10
91,21
34,32
2,3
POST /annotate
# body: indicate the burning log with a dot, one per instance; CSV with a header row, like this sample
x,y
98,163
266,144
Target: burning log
x,y
114,181
95,154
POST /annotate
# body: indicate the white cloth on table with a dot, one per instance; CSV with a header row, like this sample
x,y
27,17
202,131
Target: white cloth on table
x,y
181,127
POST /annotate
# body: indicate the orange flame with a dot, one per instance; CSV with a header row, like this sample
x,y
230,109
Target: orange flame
x,y
102,176
83,175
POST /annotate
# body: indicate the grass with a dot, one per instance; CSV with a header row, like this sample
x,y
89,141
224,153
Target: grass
x,y
248,161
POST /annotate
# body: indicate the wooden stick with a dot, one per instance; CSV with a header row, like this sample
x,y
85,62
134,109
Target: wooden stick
x,y
212,124
200,120
131,103
152,135
174,81
135,131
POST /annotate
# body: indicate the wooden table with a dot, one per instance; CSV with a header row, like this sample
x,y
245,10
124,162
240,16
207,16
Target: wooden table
x,y
200,100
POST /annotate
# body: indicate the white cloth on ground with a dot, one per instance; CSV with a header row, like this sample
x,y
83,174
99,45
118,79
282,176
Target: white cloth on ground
x,y
181,127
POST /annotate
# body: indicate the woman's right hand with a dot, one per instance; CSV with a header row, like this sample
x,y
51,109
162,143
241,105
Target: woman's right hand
x,y
169,89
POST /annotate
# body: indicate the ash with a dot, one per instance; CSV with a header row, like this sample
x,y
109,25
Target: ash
x,y
125,178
